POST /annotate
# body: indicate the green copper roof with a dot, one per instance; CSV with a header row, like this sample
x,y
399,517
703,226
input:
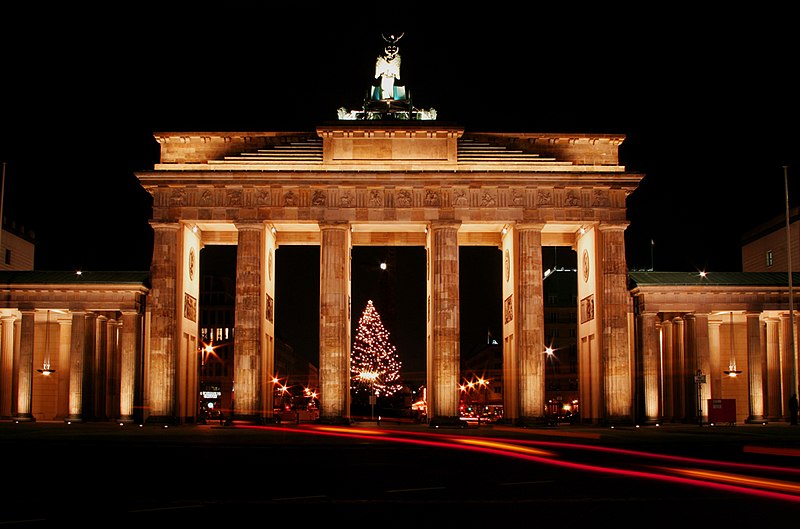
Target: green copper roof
x,y
18,277
775,279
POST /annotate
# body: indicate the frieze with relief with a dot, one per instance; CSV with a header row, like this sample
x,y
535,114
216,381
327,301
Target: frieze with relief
x,y
262,197
233,197
278,196
508,309
544,197
189,307
572,199
432,198
375,198
600,198
318,199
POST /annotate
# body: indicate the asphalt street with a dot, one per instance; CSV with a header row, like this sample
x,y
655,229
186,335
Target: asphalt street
x,y
398,475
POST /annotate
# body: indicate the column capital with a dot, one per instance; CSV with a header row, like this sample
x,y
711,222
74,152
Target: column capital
x,y
257,226
334,225
527,225
442,224
165,225
613,226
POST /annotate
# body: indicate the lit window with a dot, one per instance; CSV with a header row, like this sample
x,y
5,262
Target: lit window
x,y
769,258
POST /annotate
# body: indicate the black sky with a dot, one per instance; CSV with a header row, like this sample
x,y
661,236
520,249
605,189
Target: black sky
x,y
706,97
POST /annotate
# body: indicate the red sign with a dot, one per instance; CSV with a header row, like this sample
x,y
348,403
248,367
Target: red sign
x,y
722,410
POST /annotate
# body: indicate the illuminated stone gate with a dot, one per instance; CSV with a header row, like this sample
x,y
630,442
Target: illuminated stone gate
x,y
390,183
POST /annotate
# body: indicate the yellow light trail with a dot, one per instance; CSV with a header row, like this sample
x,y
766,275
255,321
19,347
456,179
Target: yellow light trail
x,y
724,477
506,446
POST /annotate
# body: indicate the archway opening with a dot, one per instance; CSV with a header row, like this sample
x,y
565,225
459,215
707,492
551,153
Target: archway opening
x,y
392,278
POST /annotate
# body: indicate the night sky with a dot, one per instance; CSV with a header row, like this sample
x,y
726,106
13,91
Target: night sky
x,y
707,100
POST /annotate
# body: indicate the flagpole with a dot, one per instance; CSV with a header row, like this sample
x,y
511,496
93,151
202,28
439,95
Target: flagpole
x,y
2,196
791,289
652,264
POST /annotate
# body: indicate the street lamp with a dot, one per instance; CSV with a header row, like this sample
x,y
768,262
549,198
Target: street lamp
x,y
482,383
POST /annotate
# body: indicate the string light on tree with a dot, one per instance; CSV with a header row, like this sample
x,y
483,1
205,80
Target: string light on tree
x,y
374,363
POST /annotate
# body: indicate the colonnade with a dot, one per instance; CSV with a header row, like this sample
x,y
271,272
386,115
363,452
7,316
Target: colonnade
x,y
690,358
523,329
71,365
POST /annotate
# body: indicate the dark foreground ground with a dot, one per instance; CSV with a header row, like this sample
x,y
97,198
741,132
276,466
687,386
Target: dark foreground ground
x,y
398,475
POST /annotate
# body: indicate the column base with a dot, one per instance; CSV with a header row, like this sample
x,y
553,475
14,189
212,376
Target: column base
x,y
24,417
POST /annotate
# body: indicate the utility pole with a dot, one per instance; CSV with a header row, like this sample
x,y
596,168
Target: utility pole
x,y
2,197
791,290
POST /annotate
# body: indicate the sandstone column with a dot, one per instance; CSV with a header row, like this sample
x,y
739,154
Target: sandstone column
x,y
774,401
715,360
162,302
81,365
247,345
679,374
100,375
530,323
787,361
651,366
615,353
129,362
24,371
111,408
334,322
445,356
668,398
6,365
755,368
699,355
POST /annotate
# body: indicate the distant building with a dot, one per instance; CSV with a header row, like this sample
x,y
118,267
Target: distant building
x,y
561,340
764,247
217,322
561,374
17,245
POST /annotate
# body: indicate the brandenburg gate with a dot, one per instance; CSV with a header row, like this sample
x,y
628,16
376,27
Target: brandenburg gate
x,y
390,182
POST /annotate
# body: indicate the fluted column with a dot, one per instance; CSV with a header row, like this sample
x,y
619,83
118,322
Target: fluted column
x,y
6,365
334,322
100,375
651,366
162,302
772,341
530,323
756,368
668,398
129,362
615,347
787,360
247,345
445,365
111,409
80,365
24,370
714,378
699,355
679,373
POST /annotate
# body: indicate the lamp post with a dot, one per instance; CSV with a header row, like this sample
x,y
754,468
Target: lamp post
x,y
483,384
370,377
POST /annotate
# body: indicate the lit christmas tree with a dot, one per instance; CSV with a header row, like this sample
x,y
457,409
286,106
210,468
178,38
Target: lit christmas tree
x,y
374,365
